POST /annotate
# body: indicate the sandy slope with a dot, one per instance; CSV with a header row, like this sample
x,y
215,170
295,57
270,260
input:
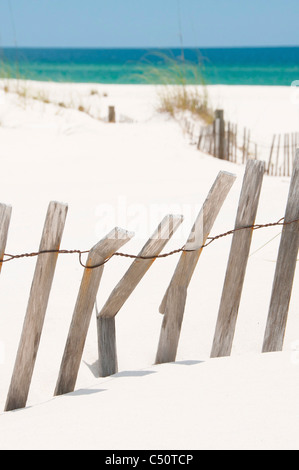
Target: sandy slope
x,y
131,174
248,402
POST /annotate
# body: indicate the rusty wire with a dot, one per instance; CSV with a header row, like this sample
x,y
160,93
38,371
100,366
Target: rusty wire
x,y
10,257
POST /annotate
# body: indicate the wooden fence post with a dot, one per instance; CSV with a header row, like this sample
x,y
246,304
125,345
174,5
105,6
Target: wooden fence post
x,y
120,294
236,143
271,154
247,146
288,155
173,304
111,114
284,154
220,133
214,146
285,270
236,269
277,157
37,306
84,306
244,147
228,145
5,215
200,138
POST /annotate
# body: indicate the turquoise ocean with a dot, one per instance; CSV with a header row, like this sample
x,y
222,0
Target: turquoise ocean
x,y
231,66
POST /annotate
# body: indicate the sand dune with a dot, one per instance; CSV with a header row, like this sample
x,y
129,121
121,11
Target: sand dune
x,y
131,174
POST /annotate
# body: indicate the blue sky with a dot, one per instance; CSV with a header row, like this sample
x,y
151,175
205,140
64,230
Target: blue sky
x,y
148,23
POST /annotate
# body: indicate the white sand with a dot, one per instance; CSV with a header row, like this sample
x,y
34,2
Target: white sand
x,y
131,174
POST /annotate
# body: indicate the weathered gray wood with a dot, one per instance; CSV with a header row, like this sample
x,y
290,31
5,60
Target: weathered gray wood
x,y
277,157
105,319
84,306
173,304
108,363
214,146
271,154
220,133
236,143
288,155
5,215
228,141
36,309
237,263
244,147
285,270
139,267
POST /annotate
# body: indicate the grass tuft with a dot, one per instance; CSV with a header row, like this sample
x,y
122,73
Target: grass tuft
x,y
182,87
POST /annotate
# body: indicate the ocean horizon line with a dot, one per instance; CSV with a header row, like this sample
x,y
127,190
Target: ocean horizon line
x,y
152,47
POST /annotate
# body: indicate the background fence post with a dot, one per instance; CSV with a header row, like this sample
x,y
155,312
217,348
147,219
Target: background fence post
x,y
285,270
111,114
236,268
36,309
173,303
244,146
220,133
83,309
277,157
271,154
120,294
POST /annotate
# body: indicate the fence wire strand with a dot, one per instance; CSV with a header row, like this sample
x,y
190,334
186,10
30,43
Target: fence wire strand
x,y
9,257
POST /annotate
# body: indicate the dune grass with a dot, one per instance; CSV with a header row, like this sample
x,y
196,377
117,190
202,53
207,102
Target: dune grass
x,y
181,86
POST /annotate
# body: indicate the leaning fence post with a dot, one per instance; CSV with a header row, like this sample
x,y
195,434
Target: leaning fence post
x,y
120,294
37,305
236,268
173,303
5,215
84,306
285,270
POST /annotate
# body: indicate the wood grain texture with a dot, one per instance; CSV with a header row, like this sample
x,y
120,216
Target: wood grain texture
x,y
200,232
83,309
37,306
285,270
238,259
108,363
120,294
173,304
139,267
5,215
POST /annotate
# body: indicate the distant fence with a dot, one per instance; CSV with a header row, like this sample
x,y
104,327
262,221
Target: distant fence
x,y
173,304
227,141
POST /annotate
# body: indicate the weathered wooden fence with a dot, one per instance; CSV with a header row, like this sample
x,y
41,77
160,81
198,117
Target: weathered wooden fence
x,y
173,304
227,141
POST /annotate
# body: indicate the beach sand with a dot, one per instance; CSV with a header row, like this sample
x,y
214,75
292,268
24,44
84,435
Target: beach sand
x,y
131,174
